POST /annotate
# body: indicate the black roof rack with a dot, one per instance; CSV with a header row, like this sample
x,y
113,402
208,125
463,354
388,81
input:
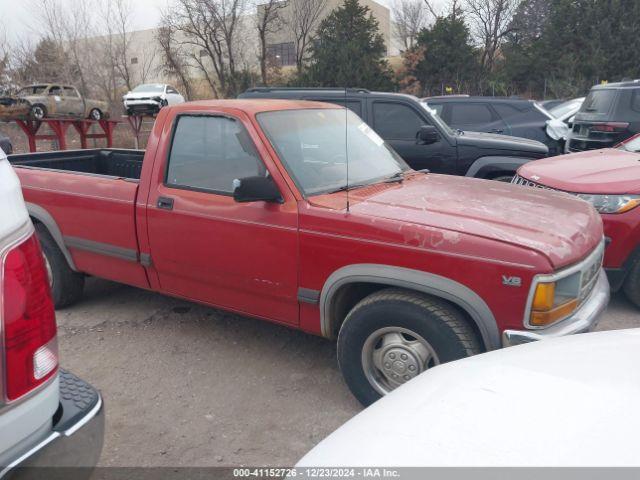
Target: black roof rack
x,y
322,89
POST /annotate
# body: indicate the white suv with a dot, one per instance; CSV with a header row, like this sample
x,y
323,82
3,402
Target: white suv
x,y
48,417
148,99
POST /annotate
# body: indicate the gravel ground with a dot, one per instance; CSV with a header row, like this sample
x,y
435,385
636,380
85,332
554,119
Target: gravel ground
x,y
186,385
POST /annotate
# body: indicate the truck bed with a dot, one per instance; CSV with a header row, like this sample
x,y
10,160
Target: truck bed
x,y
110,162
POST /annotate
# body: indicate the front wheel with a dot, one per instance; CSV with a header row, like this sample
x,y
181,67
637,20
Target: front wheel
x,y
631,284
38,111
394,335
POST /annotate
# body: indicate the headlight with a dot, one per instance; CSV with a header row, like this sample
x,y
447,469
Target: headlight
x,y
612,203
554,301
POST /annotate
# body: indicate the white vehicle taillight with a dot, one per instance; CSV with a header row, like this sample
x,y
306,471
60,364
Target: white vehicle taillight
x,y
28,320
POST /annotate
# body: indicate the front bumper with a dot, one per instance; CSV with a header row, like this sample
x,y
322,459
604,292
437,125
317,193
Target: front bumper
x,y
583,320
73,446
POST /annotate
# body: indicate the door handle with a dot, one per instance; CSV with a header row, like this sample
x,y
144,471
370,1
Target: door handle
x,y
165,203
496,130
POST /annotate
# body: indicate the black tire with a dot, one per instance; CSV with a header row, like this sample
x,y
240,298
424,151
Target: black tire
x,y
95,114
631,284
66,285
38,111
445,329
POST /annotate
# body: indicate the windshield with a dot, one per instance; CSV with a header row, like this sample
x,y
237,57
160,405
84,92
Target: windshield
x,y
566,109
314,145
151,88
433,113
32,90
599,101
632,145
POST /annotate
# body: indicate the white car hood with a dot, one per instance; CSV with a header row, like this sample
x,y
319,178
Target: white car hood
x,y
557,129
139,95
13,213
565,402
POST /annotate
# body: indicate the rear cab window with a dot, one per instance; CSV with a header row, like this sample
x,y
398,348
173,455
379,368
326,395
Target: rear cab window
x,y
209,152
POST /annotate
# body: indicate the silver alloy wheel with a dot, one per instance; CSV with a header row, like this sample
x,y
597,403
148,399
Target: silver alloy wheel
x,y
96,114
47,265
37,112
392,356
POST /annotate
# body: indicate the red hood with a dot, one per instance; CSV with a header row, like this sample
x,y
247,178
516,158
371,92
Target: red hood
x,y
608,171
560,227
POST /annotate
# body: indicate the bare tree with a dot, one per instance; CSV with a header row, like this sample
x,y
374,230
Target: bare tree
x,y
490,22
174,60
269,20
209,31
410,16
117,18
303,19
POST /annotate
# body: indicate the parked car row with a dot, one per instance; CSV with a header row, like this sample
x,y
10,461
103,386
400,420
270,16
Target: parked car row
x,y
399,119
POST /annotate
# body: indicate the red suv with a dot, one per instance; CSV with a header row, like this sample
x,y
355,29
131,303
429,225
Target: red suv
x,y
609,179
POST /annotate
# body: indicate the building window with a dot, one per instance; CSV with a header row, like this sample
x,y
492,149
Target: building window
x,y
134,60
203,53
282,54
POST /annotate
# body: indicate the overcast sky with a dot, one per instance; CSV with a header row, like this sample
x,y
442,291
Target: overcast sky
x,y
18,20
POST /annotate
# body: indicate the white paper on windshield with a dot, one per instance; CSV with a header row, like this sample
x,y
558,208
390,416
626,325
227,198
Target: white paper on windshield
x,y
373,136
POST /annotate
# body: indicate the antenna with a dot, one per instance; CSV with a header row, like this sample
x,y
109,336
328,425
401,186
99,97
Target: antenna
x,y
346,138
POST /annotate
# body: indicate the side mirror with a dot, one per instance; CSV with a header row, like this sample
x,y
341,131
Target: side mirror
x,y
256,189
427,135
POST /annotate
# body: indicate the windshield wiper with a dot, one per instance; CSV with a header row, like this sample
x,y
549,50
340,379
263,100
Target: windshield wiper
x,y
350,186
396,177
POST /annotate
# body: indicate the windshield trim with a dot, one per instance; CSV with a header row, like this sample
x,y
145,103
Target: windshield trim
x,y
335,188
437,119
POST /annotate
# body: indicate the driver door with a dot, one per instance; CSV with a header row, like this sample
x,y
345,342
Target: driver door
x,y
207,247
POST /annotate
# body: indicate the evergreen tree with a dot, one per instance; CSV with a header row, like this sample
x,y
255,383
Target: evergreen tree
x,y
349,51
449,60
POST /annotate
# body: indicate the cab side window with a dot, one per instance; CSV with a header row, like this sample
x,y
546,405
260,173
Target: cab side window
x,y
395,121
209,152
70,92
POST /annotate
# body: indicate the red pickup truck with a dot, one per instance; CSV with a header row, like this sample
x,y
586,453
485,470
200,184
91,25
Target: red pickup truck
x,y
299,213
610,180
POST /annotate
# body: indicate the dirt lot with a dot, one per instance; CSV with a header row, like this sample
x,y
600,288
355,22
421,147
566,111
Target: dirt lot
x,y
185,385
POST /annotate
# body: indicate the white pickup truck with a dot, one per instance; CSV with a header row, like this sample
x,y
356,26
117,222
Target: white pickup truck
x,y
49,418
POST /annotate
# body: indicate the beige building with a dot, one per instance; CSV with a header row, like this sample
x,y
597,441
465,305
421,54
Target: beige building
x,y
145,60
282,44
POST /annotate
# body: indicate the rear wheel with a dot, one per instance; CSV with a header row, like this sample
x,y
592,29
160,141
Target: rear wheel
x,y
393,335
631,284
66,285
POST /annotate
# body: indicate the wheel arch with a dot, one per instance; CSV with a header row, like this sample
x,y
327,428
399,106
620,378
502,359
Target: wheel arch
x,y
348,285
486,167
40,215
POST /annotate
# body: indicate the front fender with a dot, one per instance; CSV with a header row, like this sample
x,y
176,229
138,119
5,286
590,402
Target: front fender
x,y
415,280
483,167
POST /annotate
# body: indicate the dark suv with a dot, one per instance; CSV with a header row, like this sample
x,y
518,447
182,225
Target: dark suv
x,y
421,138
508,116
609,115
